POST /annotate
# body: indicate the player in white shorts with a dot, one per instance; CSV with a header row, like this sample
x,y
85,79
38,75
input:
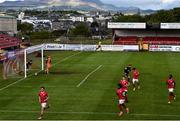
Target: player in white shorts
x,y
43,99
135,80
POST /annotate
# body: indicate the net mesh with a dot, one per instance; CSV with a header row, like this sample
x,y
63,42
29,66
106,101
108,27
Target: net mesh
x,y
33,63
16,61
13,65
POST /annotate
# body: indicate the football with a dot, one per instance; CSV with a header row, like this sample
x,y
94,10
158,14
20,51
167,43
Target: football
x,y
35,74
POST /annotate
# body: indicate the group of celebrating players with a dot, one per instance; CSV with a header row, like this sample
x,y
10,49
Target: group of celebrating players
x,y
123,84
121,91
123,87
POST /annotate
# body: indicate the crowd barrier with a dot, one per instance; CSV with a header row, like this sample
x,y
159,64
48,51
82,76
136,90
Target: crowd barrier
x,y
167,48
81,47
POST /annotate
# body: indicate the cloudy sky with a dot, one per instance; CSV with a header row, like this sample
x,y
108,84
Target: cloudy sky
x,y
146,4
143,4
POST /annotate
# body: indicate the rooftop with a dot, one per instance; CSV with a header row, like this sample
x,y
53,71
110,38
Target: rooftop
x,y
7,16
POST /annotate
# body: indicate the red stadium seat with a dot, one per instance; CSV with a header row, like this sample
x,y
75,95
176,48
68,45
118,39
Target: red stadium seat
x,y
7,41
148,40
162,40
126,41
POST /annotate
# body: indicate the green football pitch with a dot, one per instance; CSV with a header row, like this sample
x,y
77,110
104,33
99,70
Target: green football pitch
x,y
81,86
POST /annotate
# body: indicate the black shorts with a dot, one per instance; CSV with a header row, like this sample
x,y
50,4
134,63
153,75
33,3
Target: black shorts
x,y
126,75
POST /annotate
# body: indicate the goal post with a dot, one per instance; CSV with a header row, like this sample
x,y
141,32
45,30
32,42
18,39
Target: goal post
x,y
21,63
31,50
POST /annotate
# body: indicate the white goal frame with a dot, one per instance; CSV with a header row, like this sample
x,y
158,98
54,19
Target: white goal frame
x,y
30,50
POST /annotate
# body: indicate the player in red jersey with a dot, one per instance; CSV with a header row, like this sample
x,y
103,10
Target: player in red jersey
x,y
43,99
171,86
121,93
124,84
135,80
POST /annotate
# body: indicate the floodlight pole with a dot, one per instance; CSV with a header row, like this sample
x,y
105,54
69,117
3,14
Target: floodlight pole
x,y
25,62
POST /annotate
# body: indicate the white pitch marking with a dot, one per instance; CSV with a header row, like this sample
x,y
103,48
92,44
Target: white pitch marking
x,y
89,113
38,71
88,76
16,82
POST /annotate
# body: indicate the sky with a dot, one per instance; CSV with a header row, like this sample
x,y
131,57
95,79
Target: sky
x,y
143,4
146,4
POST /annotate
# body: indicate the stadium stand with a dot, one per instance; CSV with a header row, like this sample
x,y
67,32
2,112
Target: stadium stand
x,y
162,40
8,41
148,40
140,33
126,41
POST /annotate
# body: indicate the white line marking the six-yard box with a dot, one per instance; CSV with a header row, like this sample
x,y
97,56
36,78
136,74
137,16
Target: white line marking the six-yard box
x,y
39,71
88,76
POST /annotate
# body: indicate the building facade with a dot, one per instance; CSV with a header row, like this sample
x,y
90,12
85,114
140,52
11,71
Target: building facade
x,y
8,24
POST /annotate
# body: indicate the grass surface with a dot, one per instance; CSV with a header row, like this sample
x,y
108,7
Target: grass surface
x,y
93,98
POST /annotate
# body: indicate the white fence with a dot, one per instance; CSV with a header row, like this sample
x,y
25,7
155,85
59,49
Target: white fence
x,y
80,47
88,47
169,48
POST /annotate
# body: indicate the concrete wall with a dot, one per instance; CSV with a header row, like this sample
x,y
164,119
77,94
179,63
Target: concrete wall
x,y
8,25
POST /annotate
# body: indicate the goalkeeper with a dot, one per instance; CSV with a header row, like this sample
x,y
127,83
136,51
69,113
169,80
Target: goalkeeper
x,y
29,65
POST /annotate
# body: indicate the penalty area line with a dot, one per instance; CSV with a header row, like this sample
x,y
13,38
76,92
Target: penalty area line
x,y
89,113
88,76
64,59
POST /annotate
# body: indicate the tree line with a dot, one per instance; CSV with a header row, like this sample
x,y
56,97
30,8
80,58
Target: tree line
x,y
160,16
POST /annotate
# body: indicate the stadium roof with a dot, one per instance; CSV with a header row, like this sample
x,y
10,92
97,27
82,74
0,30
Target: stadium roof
x,y
124,25
170,26
7,16
133,25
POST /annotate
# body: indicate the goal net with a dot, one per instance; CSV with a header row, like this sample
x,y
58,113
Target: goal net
x,y
12,64
21,63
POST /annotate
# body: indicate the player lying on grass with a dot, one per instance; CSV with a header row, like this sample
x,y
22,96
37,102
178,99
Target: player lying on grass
x,y
124,84
135,80
43,99
171,86
127,71
121,93
48,64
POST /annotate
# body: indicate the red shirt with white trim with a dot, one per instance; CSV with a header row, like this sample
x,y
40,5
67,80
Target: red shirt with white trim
x,y
124,84
121,93
135,74
170,83
43,96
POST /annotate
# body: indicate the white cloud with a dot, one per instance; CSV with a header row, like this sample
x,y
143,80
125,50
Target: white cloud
x,y
6,0
167,1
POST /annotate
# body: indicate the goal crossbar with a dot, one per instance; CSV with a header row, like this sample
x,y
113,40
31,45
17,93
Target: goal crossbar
x,y
30,50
